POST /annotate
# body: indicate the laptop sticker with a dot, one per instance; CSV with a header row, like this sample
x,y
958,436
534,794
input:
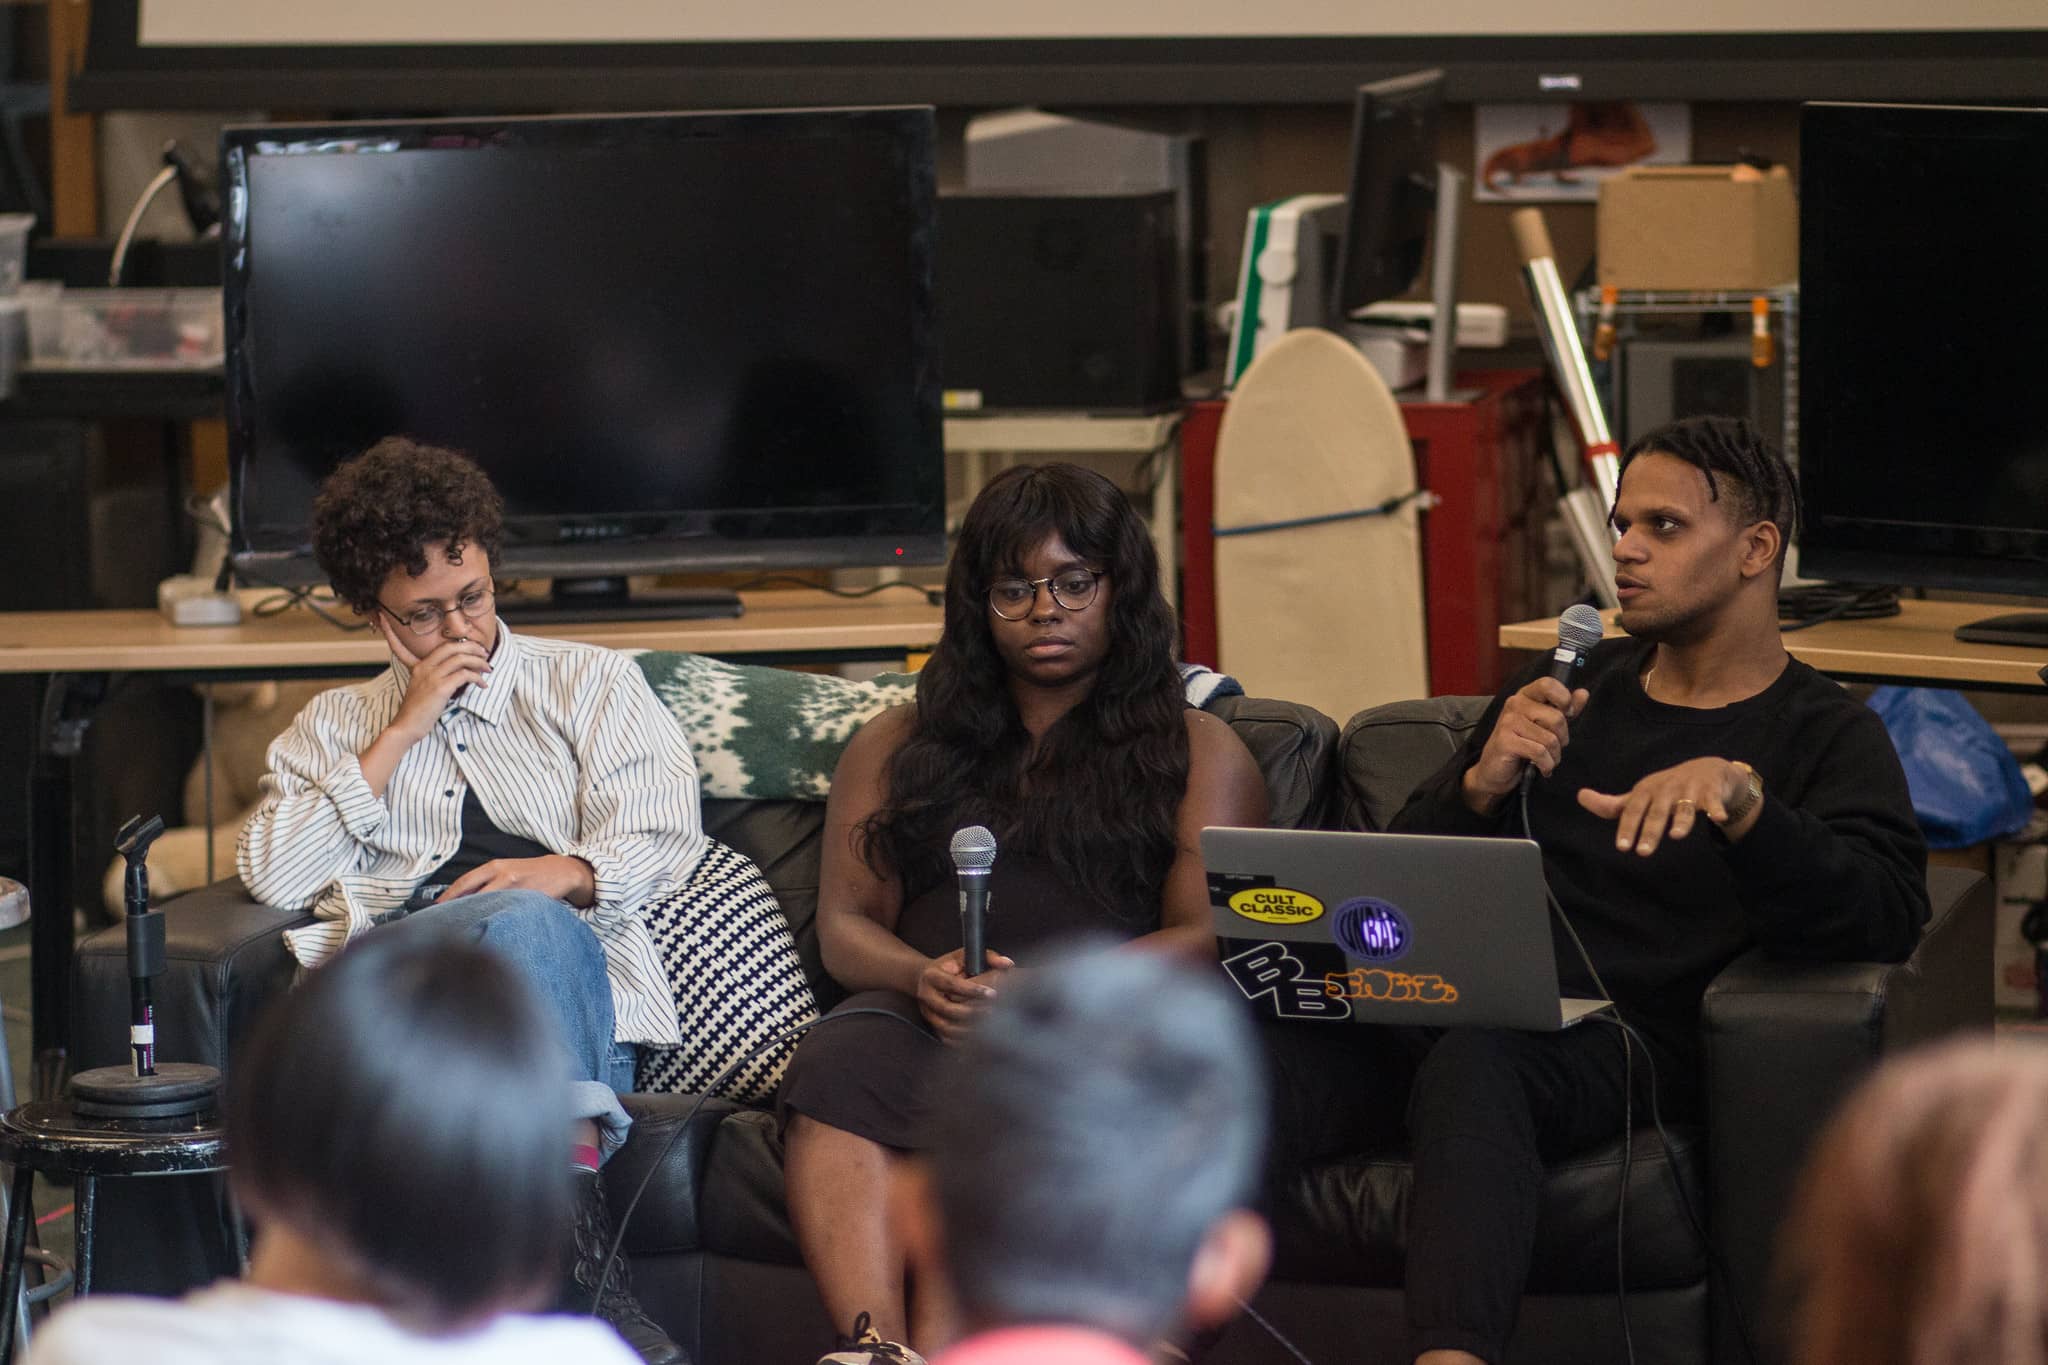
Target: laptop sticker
x,y
1270,974
1277,905
1362,983
1371,930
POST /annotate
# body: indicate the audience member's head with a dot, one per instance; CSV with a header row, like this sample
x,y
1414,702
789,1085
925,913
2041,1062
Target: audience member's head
x,y
404,1112
1743,468
1920,1234
380,511
1096,1153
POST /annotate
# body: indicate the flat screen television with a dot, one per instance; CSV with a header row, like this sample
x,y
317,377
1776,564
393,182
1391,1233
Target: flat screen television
x,y
675,342
1392,199
1923,283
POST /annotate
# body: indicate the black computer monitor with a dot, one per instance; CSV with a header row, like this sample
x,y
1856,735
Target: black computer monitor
x,y
677,341
1923,292
1392,198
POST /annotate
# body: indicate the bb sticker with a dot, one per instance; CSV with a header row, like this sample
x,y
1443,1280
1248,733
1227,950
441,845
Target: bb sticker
x,y
1371,930
1276,905
1269,974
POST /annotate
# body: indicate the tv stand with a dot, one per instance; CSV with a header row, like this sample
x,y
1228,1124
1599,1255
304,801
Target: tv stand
x,y
2029,628
612,599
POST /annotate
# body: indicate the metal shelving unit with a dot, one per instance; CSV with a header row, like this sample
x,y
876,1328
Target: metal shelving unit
x,y
1784,314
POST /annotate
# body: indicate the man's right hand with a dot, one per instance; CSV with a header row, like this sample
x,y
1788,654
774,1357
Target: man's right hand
x,y
1534,727
437,676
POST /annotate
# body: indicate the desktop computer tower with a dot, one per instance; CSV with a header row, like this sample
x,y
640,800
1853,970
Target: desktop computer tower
x,y
1661,379
1057,302
1030,150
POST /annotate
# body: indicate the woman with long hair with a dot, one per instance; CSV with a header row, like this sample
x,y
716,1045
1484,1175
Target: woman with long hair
x,y
1920,1234
1051,713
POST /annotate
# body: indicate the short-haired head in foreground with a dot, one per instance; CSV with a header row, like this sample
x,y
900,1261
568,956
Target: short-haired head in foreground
x,y
379,511
406,1111
1743,467
1920,1233
1100,1125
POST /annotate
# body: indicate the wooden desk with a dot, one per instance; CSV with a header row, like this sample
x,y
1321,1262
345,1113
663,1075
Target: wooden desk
x,y
78,651
778,626
1916,647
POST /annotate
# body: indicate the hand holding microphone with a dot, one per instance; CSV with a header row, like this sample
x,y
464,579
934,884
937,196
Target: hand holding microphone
x,y
947,994
1535,723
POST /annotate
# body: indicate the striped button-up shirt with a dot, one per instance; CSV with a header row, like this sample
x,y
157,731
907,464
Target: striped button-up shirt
x,y
567,746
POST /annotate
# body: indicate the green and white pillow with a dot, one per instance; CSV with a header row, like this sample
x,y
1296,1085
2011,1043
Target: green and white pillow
x,y
762,733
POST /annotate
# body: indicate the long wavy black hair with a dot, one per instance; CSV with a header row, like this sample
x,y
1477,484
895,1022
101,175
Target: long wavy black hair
x,y
1099,794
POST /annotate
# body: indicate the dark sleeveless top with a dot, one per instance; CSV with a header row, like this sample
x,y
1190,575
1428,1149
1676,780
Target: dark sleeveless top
x,y
1029,903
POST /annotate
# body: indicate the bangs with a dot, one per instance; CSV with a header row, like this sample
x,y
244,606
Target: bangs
x,y
1038,511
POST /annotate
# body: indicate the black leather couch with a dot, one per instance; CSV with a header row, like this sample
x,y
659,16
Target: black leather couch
x,y
714,1258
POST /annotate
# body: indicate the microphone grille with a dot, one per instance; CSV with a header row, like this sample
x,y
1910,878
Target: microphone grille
x,y
1580,628
974,849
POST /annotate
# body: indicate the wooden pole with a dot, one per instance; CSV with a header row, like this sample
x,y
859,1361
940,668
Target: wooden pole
x,y
74,146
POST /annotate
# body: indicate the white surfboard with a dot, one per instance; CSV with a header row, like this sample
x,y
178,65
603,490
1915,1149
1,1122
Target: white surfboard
x,y
1315,603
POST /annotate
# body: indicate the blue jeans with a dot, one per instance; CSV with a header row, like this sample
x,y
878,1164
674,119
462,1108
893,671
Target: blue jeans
x,y
562,960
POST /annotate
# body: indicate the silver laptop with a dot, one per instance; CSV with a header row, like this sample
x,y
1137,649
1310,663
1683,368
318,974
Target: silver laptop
x,y
1387,928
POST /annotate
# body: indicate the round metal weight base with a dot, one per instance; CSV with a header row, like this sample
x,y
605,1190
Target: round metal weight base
x,y
114,1092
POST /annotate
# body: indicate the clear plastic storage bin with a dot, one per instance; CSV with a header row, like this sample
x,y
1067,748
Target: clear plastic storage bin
x,y
14,230
128,329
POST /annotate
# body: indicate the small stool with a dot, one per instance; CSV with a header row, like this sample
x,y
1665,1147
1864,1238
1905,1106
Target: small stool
x,y
48,1135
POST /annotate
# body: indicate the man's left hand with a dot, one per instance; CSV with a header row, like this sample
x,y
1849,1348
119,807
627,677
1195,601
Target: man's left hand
x,y
554,874
1672,800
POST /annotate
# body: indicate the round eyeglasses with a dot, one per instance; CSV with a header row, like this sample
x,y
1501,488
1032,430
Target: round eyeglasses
x,y
1013,598
426,620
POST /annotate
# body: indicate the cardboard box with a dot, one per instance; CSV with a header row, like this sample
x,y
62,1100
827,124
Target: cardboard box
x,y
1698,227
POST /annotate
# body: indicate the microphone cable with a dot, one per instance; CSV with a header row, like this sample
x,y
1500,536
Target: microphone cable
x,y
1271,1331
1629,1034
1627,1100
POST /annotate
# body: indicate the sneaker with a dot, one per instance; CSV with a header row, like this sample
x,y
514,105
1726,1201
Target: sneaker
x,y
866,1347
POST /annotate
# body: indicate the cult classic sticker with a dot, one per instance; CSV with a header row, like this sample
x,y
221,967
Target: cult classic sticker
x,y
1277,905
1371,929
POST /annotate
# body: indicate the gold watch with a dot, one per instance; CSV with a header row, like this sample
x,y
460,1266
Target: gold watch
x,y
1752,793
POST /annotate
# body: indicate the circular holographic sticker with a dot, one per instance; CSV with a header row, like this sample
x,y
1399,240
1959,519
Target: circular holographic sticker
x,y
1371,930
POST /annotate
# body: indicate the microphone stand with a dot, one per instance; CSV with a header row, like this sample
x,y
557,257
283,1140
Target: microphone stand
x,y
143,1089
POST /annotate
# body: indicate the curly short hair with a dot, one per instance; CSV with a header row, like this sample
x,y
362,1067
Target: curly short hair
x,y
381,510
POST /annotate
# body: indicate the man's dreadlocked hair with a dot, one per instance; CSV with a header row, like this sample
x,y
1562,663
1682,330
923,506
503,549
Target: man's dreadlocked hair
x,y
1729,449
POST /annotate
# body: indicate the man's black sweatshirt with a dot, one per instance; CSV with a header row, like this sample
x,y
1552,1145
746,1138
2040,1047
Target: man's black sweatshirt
x,y
1833,869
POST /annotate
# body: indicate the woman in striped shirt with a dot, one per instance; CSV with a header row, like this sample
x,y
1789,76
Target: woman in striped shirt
x,y
529,794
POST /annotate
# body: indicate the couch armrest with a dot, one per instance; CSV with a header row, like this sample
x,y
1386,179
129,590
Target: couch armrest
x,y
1784,1041
225,960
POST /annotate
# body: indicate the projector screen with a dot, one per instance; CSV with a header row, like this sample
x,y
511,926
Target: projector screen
x,y
466,22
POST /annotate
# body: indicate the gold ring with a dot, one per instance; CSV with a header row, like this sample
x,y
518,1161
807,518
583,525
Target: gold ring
x,y
1686,803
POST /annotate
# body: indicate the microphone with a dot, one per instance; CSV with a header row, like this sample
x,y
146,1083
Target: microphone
x,y
1578,630
974,853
